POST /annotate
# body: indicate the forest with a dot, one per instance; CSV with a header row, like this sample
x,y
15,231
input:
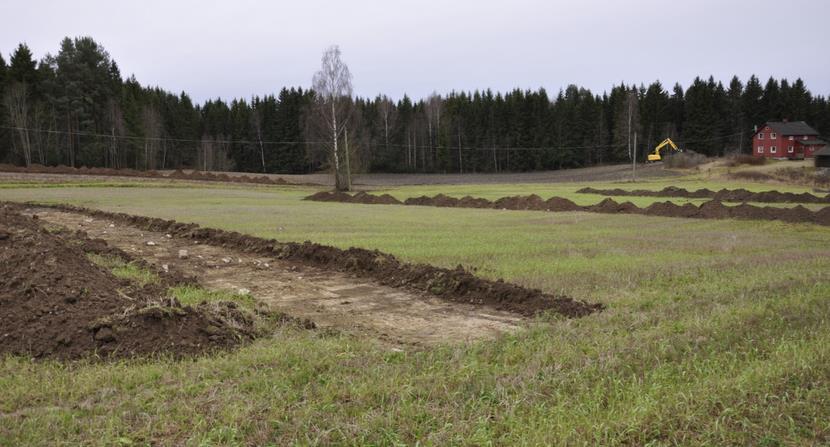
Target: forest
x,y
75,108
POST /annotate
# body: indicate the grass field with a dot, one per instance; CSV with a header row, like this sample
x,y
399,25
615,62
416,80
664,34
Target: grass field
x,y
715,333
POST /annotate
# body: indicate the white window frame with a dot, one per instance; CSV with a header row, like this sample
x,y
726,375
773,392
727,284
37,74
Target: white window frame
x,y
790,149
792,138
761,136
760,149
773,135
804,137
773,149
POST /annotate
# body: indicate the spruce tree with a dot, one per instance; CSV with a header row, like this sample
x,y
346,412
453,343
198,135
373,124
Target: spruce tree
x,y
752,104
771,100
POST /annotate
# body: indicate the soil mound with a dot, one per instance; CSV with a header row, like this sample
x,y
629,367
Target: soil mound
x,y
422,200
474,202
713,209
724,195
56,303
177,174
457,285
562,204
531,202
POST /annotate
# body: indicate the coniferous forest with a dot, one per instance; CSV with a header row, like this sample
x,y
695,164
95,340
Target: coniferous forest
x,y
75,108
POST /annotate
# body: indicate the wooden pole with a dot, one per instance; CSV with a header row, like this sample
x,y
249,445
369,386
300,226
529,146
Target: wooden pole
x,y
634,160
348,168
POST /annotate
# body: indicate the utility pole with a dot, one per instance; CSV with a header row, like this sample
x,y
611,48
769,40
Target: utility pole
x,y
629,125
460,162
634,160
348,168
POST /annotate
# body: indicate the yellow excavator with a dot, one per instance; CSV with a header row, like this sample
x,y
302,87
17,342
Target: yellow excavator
x,y
655,156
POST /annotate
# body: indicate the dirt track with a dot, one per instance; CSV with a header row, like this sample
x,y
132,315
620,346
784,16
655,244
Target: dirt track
x,y
326,296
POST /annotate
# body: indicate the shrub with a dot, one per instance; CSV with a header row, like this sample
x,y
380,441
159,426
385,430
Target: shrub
x,y
745,159
684,160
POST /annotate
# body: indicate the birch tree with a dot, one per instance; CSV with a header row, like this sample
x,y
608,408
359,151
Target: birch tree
x,y
17,103
386,110
432,107
332,87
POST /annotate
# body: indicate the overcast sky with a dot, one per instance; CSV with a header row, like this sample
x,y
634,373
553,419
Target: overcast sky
x,y
241,48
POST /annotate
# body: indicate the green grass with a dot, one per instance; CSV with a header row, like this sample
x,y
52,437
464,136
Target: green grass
x,y
715,333
124,270
194,295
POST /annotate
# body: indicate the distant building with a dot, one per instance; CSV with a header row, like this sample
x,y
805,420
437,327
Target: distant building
x,y
784,139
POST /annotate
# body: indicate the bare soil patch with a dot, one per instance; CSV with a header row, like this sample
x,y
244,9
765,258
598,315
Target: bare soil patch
x,y
709,210
56,303
723,195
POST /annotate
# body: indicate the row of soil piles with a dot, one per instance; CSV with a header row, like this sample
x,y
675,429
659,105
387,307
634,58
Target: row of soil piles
x,y
723,195
56,303
178,174
455,285
709,210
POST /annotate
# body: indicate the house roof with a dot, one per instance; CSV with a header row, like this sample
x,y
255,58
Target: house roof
x,y
823,152
790,128
813,142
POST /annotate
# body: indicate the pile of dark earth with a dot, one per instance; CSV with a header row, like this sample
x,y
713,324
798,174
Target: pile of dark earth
x,y
56,303
177,174
709,210
723,195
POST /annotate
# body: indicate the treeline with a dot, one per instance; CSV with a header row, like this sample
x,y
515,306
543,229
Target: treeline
x,y
75,108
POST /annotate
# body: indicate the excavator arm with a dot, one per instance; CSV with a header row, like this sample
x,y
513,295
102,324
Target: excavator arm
x,y
655,156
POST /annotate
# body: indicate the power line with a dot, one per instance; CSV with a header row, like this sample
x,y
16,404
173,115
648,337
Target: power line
x,y
377,145
128,137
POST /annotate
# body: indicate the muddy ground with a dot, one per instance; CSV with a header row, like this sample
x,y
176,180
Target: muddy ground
x,y
56,303
723,195
355,290
710,210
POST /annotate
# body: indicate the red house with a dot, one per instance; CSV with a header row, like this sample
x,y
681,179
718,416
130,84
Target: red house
x,y
784,139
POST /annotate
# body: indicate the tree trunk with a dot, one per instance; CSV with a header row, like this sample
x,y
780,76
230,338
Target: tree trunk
x,y
338,182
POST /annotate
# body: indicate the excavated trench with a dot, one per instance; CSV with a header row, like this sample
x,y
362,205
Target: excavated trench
x,y
355,290
723,195
709,210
